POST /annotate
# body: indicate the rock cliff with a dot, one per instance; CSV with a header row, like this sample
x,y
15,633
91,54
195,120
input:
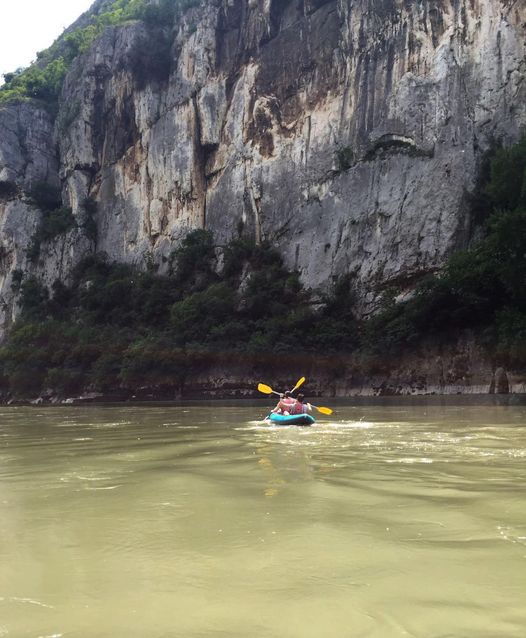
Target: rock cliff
x,y
351,133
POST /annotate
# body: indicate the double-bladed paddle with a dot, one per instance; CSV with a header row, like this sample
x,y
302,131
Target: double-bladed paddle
x,y
298,384
266,389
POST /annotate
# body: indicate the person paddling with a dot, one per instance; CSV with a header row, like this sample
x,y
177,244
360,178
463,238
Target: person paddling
x,y
285,404
301,406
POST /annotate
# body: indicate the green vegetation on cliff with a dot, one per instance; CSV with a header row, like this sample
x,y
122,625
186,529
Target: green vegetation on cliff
x,y
117,325
482,288
43,80
56,219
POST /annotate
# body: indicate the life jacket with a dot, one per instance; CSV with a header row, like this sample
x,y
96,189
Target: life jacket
x,y
298,408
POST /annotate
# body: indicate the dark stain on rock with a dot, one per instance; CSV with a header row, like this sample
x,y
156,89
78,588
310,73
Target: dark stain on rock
x,y
99,115
260,129
436,20
125,133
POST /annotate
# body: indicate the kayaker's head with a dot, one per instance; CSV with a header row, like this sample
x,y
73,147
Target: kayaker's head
x,y
287,394
300,398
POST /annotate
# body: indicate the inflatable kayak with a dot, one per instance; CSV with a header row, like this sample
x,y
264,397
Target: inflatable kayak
x,y
291,419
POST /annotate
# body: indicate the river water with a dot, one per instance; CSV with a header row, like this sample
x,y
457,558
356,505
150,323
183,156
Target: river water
x,y
194,521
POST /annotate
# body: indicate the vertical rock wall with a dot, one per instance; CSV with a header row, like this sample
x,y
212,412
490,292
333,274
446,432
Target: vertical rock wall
x,y
349,132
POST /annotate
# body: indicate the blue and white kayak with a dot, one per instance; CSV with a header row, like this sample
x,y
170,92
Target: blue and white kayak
x,y
291,419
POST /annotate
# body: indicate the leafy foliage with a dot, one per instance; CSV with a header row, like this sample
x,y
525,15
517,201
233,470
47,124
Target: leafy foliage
x,y
192,264
43,80
34,299
36,82
507,185
122,326
194,317
56,219
53,223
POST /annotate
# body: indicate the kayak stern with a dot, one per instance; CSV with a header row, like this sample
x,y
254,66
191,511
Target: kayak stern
x,y
291,419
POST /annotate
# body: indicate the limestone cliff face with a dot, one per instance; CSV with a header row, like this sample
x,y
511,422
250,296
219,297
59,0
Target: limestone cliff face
x,y
349,132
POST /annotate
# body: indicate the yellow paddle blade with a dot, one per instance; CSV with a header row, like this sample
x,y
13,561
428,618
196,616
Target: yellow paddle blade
x,y
266,389
324,410
298,384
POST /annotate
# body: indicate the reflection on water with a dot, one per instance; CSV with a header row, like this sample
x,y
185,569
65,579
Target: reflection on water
x,y
382,521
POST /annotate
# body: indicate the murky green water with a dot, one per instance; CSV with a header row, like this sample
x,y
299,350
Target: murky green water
x,y
153,522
